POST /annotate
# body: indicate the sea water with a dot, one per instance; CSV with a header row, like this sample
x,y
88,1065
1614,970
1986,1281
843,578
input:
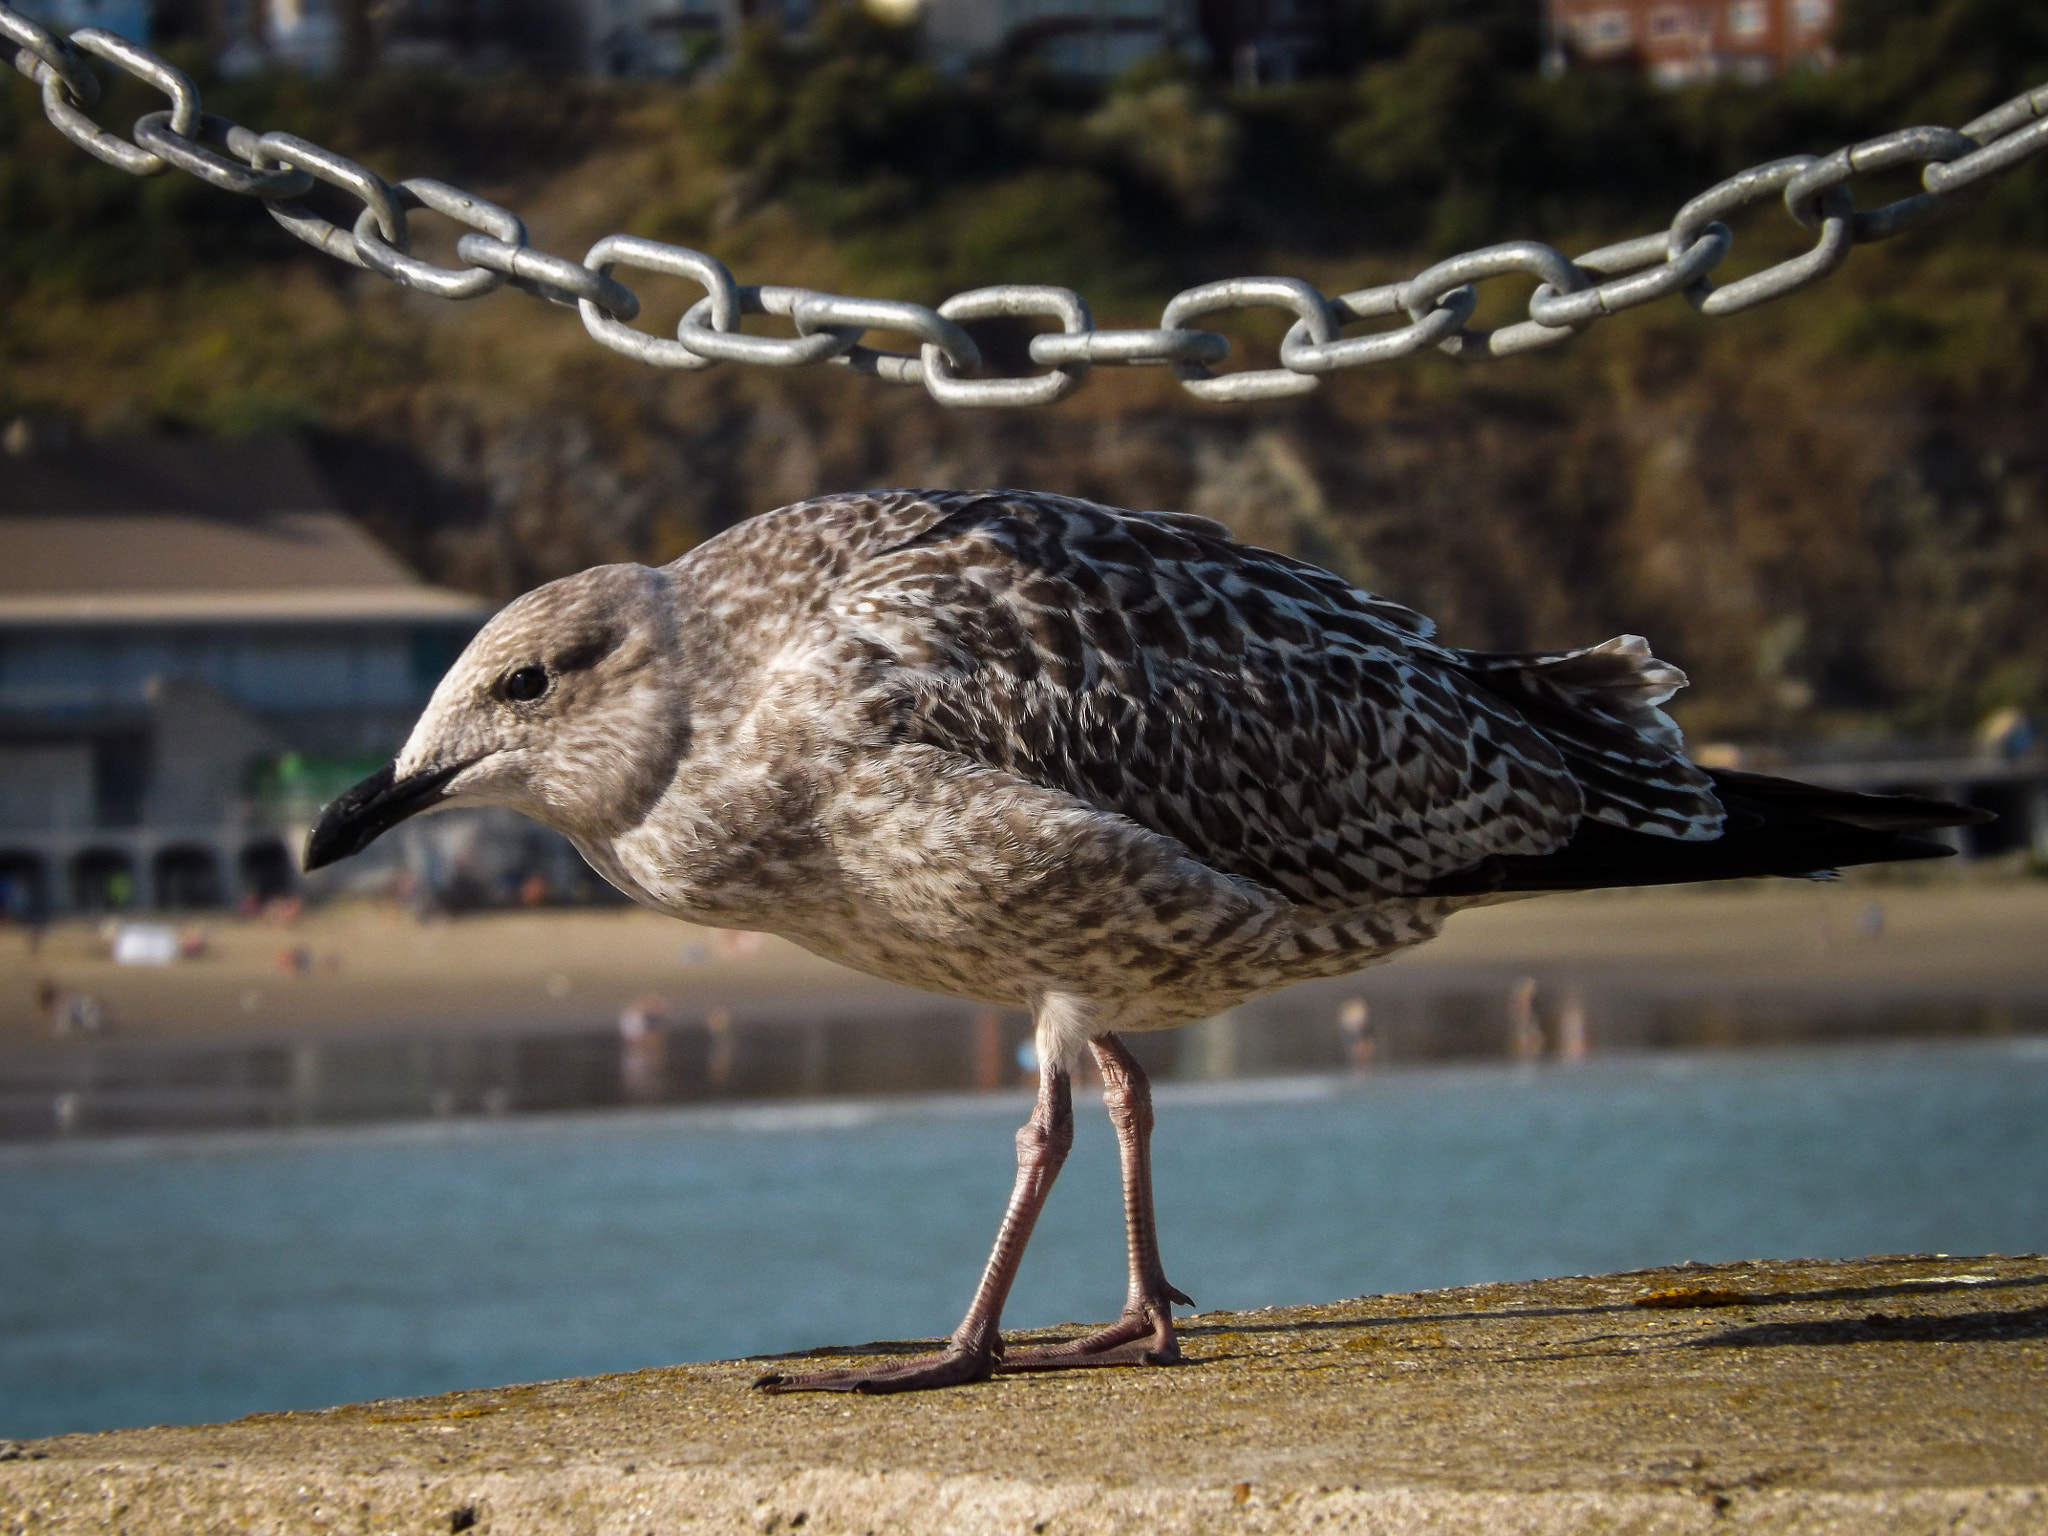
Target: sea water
x,y
179,1279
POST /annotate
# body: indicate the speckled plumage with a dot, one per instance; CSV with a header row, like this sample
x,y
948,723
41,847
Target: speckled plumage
x,y
1012,745
1110,766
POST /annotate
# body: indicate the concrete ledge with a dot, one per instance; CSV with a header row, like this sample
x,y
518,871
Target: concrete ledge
x,y
1896,1394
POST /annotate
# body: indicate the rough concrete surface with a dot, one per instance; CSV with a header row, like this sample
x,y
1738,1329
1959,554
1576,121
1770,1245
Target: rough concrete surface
x,y
1884,1395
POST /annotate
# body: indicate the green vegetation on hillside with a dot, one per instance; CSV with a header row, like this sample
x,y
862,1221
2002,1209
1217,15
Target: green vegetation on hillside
x,y
1833,511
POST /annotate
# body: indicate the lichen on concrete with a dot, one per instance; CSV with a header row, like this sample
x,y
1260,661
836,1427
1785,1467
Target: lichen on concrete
x,y
1893,1394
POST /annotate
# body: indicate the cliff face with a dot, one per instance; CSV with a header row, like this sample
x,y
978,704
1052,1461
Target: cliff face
x,y
1826,538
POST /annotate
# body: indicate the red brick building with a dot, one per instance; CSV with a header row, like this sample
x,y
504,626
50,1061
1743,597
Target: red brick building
x,y
1677,41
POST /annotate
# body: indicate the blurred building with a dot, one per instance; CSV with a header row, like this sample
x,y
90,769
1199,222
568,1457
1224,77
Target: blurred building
x,y
1261,42
1258,39
1096,38
602,37
1677,42
1254,41
128,18
196,648
322,36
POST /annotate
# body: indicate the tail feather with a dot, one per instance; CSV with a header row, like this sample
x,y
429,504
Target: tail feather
x,y
1599,708
1773,827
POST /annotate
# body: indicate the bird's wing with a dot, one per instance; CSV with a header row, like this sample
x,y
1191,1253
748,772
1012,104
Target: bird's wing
x,y
1282,725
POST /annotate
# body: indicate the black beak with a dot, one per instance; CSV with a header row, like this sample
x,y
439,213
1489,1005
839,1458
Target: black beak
x,y
359,816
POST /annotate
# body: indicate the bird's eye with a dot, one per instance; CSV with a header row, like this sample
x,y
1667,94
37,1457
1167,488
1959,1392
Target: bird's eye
x,y
526,684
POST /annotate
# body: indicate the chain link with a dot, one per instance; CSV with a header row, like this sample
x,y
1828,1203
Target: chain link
x,y
40,49
1436,304
69,120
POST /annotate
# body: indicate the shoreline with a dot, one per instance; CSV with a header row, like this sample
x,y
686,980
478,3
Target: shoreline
x,y
363,1015
1007,1105
363,970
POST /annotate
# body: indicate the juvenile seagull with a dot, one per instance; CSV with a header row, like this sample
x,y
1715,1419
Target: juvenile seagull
x,y
1108,766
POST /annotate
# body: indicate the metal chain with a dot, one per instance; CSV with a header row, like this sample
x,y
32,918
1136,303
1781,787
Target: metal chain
x,y
1571,294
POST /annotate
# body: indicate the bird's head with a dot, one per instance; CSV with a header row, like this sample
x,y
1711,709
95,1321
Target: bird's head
x,y
568,707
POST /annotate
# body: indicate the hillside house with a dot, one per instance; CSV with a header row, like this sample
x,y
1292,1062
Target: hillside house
x,y
1677,42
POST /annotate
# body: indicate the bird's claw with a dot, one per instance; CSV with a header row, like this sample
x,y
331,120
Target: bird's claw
x,y
1142,1336
953,1367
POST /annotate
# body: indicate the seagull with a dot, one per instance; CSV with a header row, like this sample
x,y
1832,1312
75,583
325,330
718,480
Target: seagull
x,y
1111,767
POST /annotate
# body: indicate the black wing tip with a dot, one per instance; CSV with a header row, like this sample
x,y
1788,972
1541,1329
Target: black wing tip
x,y
1854,808
1776,844
1905,847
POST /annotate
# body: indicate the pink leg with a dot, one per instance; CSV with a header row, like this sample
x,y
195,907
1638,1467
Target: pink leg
x,y
976,1346
1144,1334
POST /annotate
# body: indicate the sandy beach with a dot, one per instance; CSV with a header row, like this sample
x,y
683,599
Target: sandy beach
x,y
364,968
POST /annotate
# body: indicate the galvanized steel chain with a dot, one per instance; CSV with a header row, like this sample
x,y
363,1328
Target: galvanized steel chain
x,y
1433,307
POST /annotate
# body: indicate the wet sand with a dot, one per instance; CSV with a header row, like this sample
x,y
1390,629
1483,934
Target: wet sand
x,y
361,968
